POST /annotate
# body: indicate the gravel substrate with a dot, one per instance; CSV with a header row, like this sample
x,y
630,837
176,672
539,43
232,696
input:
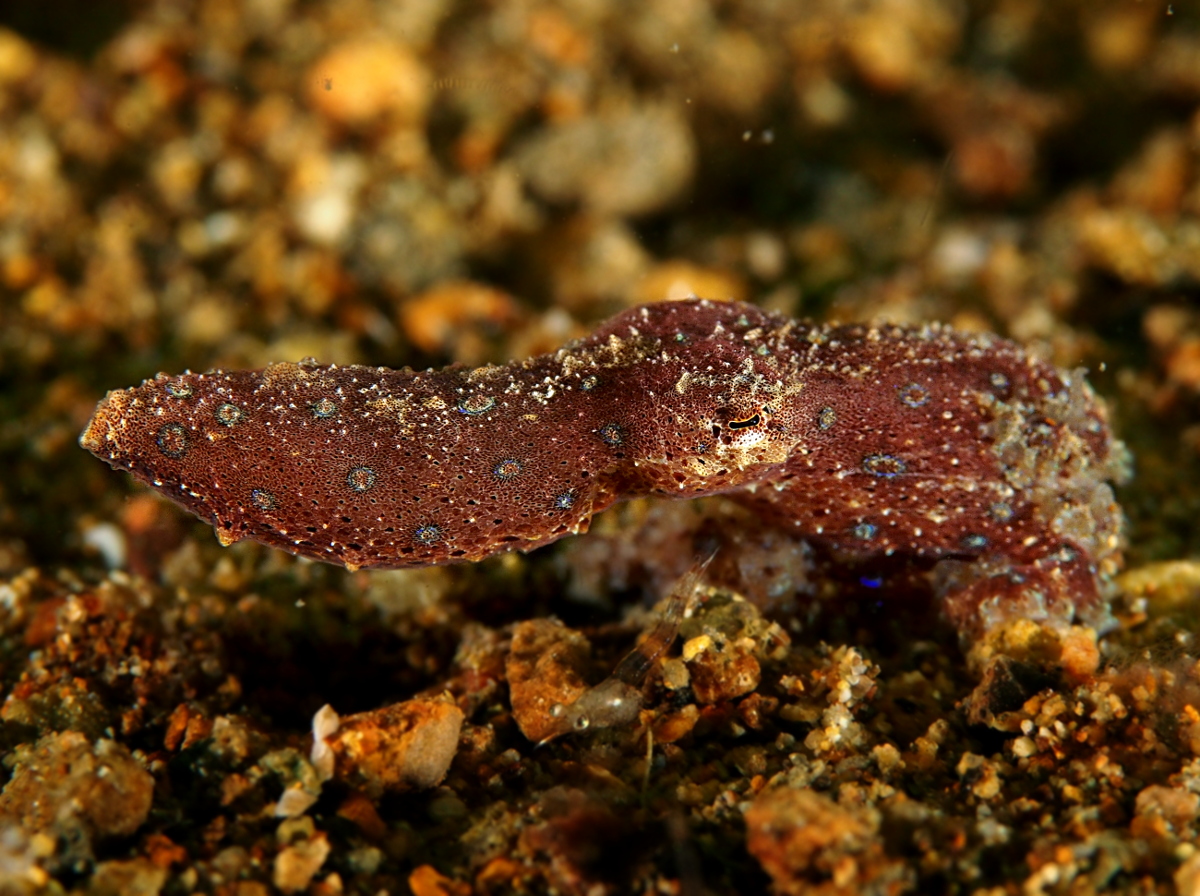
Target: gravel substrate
x,y
188,185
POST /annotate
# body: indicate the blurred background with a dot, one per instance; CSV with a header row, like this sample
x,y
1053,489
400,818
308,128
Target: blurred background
x,y
194,184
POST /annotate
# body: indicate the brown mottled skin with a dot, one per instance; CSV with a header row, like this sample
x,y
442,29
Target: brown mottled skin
x,y
958,451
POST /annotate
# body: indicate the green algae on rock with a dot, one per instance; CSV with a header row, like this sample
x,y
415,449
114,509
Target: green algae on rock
x,y
955,453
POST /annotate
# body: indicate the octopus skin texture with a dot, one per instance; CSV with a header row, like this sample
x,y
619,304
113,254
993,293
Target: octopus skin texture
x,y
958,454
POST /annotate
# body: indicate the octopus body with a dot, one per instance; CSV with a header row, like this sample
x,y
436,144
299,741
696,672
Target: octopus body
x,y
958,452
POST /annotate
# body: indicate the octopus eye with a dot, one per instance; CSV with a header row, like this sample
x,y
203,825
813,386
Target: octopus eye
x,y
747,423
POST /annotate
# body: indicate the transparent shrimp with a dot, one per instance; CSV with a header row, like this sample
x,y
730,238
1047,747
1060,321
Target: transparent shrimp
x,y
618,699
